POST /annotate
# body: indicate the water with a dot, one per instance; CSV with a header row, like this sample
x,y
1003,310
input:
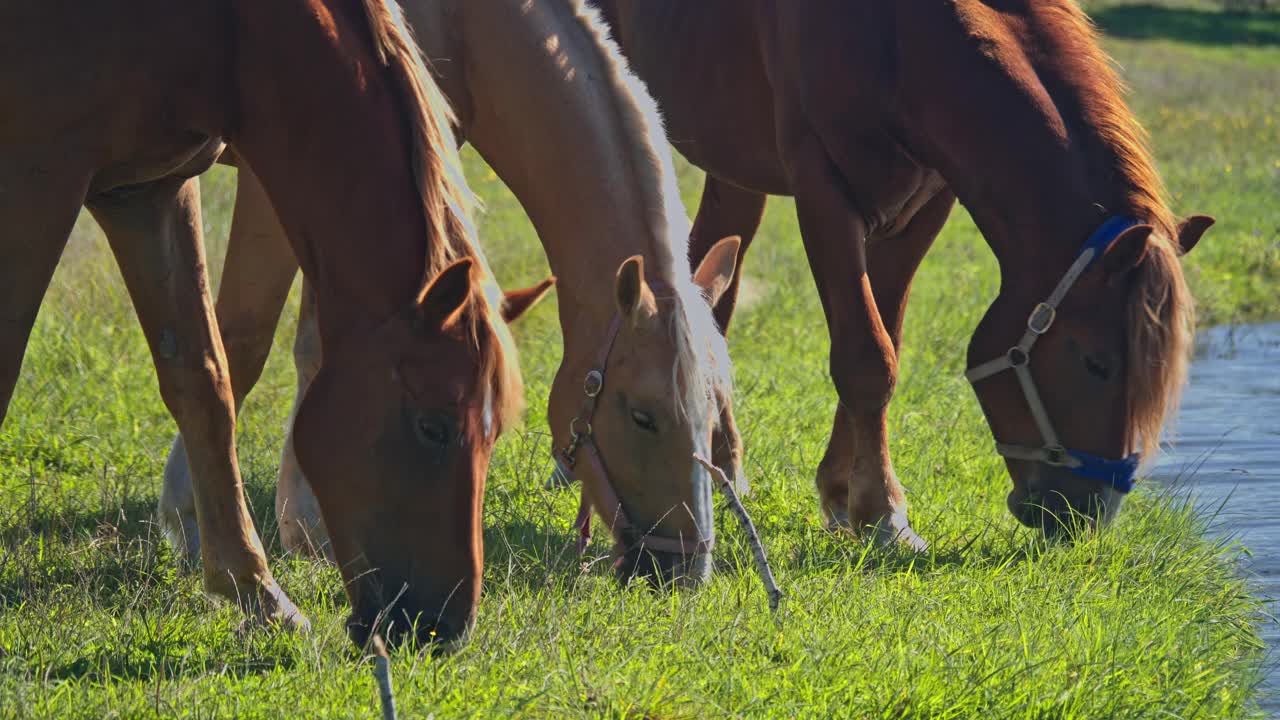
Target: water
x,y
1227,452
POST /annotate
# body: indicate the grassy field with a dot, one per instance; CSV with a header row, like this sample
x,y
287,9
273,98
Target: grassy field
x,y
1148,619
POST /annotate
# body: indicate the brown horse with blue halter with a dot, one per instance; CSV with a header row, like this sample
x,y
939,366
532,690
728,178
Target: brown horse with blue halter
x,y
876,117
1117,474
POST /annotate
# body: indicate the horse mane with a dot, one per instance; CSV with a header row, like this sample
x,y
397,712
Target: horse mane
x,y
702,356
1160,312
447,203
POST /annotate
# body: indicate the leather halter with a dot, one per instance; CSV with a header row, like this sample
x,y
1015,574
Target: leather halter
x,y
1116,473
581,438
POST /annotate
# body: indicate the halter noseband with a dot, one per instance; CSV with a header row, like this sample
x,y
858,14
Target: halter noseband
x,y
1116,473
581,438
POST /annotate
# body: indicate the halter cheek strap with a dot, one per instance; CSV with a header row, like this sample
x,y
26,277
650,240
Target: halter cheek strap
x,y
581,438
1116,473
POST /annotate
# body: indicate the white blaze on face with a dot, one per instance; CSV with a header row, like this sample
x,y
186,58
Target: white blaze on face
x,y
702,483
488,412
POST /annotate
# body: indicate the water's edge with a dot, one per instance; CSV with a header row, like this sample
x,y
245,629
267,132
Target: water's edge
x,y
1225,450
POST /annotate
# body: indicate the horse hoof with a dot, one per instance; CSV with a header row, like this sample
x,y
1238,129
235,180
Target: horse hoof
x,y
297,623
262,601
275,609
893,530
903,537
836,520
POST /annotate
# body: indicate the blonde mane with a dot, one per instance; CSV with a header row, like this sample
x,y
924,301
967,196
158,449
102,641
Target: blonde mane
x,y
702,364
1160,312
447,203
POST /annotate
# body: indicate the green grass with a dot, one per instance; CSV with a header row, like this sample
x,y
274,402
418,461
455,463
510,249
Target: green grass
x,y
1148,619
1188,23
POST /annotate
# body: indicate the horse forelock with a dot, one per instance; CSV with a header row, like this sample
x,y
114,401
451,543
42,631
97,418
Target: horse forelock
x,y
701,368
447,204
1160,312
1161,327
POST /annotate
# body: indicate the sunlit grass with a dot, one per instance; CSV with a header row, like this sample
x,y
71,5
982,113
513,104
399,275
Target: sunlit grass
x,y
1147,619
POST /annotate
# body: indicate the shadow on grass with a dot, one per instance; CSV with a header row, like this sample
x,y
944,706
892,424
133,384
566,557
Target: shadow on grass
x,y
1198,27
109,545
50,511
992,548
145,663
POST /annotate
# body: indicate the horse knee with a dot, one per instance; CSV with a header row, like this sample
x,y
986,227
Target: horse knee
x,y
195,389
247,350
306,351
865,378
307,364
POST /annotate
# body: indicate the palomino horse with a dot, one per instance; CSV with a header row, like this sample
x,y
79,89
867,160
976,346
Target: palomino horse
x,y
418,376
876,116
548,102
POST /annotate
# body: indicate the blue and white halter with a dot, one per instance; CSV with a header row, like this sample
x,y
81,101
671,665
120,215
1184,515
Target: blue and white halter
x,y
1116,473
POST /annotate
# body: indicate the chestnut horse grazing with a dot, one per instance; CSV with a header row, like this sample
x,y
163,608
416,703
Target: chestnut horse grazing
x,y
876,116
548,102
418,376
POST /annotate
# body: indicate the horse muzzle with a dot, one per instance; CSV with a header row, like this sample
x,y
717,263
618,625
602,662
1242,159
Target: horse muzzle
x,y
1058,502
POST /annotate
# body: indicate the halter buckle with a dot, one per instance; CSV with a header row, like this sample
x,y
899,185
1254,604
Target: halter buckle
x,y
570,451
574,435
1055,455
593,384
1018,357
1042,318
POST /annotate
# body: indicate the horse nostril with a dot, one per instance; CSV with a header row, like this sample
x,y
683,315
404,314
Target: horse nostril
x,y
659,569
358,629
438,634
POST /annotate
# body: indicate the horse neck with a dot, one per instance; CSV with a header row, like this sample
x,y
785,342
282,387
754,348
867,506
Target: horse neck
x,y
550,112
1049,176
321,124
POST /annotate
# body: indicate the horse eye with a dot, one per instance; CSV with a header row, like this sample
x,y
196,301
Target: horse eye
x,y
644,420
1097,368
432,431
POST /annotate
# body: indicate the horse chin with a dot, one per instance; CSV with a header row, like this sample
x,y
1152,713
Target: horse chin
x,y
440,637
664,570
1061,504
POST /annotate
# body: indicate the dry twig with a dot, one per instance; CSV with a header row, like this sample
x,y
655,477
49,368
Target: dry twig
x,y
753,538
382,672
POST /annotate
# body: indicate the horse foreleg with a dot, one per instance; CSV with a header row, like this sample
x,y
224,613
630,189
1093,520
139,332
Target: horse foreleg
x,y
726,210
155,234
34,226
256,277
892,262
855,480
302,528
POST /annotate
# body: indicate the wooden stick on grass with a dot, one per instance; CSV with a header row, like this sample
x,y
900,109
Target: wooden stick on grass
x,y
382,672
753,538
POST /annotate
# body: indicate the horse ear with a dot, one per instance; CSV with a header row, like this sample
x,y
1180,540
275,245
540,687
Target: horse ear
x,y
441,302
715,272
516,302
1191,230
633,296
1126,251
